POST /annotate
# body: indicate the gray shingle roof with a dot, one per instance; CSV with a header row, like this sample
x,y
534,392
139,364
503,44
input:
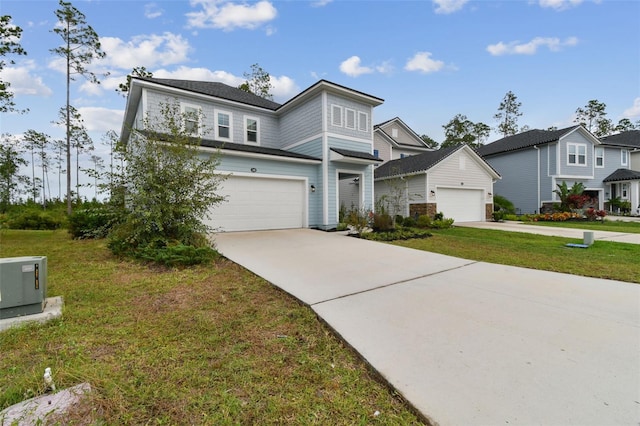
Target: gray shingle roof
x,y
356,154
621,175
629,139
524,140
218,90
414,163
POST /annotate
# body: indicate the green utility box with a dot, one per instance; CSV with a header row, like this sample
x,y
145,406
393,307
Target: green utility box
x,y
23,286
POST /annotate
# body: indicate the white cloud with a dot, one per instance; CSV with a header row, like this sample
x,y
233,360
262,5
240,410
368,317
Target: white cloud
x,y
23,81
321,3
200,74
634,111
284,88
98,119
352,67
423,63
559,4
228,16
449,6
145,50
554,44
152,11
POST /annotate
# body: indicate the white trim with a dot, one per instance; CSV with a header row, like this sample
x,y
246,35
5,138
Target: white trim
x,y
574,177
246,130
216,112
366,120
350,138
325,163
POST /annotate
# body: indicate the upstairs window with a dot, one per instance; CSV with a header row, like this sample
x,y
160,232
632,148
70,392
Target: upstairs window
x,y
191,119
624,157
599,155
350,119
363,121
577,154
336,115
223,125
376,153
251,130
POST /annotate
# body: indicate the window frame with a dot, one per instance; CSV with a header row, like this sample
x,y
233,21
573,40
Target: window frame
x,y
185,117
361,115
577,155
217,114
596,156
624,157
352,112
246,130
336,112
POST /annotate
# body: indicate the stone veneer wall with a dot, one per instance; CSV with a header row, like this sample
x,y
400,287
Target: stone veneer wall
x,y
420,209
488,211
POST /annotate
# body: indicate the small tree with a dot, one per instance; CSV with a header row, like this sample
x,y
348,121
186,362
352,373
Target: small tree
x,y
10,162
571,198
123,88
507,115
258,82
171,187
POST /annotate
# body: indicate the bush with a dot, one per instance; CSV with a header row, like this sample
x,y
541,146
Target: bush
x,y
423,221
399,220
438,216
498,216
94,222
382,223
402,234
442,223
408,222
177,255
502,204
38,220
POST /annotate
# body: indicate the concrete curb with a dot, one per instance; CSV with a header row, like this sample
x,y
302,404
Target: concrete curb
x,y
52,310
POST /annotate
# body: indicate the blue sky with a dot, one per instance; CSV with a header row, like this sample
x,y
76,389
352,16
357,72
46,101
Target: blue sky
x,y
429,60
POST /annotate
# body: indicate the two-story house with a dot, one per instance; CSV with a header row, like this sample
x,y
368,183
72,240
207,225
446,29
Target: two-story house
x,y
533,163
284,161
393,139
624,183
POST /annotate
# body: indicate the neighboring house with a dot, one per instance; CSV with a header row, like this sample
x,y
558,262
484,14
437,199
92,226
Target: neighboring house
x,y
533,163
393,139
455,181
285,161
625,182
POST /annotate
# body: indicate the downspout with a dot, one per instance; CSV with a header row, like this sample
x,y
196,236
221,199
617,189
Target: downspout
x,y
538,176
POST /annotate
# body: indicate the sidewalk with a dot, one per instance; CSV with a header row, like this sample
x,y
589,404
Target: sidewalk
x,y
510,226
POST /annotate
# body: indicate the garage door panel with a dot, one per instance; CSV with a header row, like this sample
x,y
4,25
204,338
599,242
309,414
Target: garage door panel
x,y
462,205
256,203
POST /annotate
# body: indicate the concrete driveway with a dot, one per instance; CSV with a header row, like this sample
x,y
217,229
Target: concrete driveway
x,y
465,342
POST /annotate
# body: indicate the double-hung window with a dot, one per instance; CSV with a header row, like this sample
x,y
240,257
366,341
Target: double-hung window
x,y
223,125
624,157
577,154
599,155
191,119
251,126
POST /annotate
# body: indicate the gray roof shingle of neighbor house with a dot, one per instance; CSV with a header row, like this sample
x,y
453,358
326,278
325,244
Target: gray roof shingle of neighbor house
x,y
524,140
630,138
413,163
622,174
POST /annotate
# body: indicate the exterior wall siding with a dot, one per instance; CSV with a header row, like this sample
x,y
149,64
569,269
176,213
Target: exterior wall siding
x,y
383,147
403,137
519,178
571,170
301,123
343,130
635,160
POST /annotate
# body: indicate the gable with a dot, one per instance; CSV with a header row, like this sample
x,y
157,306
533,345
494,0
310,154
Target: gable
x,y
398,131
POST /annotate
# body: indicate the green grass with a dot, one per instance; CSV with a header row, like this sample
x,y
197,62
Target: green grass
x,y
206,345
617,261
608,225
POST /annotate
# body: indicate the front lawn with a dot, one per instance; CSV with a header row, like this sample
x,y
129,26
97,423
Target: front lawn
x,y
617,261
212,345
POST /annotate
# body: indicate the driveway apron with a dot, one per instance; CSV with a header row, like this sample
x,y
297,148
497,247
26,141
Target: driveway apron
x,y
465,342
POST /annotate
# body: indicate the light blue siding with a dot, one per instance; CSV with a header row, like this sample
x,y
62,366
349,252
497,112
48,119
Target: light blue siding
x,y
355,106
301,123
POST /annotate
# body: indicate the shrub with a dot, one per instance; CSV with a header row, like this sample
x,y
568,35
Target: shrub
x,y
382,223
498,215
38,220
408,222
442,223
403,234
177,255
438,216
94,222
502,204
423,221
359,219
399,220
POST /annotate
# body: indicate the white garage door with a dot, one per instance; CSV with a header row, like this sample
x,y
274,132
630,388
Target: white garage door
x,y
463,205
257,203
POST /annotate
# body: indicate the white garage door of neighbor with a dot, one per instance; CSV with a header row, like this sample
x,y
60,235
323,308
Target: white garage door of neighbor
x,y
462,205
257,203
